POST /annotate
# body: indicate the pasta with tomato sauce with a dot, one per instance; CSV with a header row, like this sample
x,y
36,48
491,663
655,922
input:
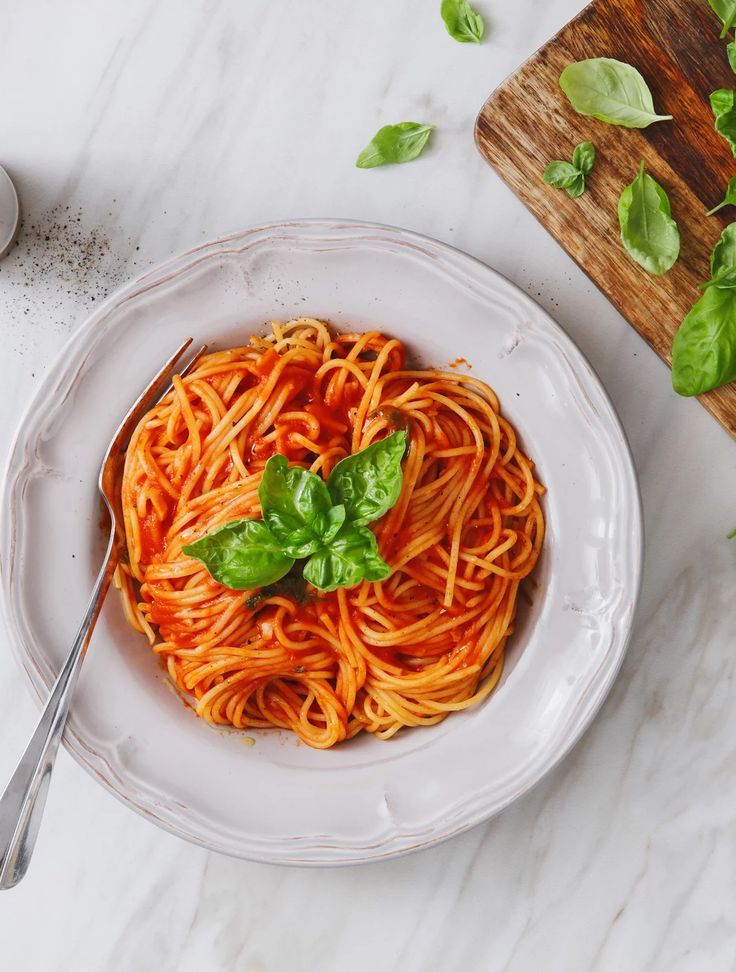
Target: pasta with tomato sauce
x,y
466,529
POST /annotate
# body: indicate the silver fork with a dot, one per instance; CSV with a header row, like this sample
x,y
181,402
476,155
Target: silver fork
x,y
22,803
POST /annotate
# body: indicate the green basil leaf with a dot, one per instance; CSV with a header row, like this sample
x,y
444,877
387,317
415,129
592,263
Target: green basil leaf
x,y
560,174
296,504
577,187
728,200
462,22
351,557
242,555
723,257
611,91
394,143
583,158
368,483
726,10
704,349
725,279
723,105
731,535
648,231
731,54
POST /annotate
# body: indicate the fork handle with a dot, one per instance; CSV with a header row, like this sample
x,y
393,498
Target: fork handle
x,y
22,803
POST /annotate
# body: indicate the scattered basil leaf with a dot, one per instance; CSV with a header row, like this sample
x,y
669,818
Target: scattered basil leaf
x,y
368,483
577,186
723,105
725,279
394,143
648,231
731,535
723,260
723,257
462,22
351,557
731,54
728,200
242,555
560,174
571,176
583,158
704,349
297,507
726,10
611,91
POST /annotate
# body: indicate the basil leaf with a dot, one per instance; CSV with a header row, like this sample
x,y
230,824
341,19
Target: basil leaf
x,y
731,535
731,54
728,200
725,279
462,22
704,349
648,231
577,187
611,91
350,558
583,158
722,103
297,507
241,555
726,10
394,143
561,175
723,257
564,175
368,483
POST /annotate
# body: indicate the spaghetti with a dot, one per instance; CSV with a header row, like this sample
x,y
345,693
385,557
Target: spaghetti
x,y
465,531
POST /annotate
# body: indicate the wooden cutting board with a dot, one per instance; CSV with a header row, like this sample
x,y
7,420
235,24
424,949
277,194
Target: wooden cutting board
x,y
527,122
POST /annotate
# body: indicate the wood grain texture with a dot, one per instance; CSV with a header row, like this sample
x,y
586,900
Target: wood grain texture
x,y
528,121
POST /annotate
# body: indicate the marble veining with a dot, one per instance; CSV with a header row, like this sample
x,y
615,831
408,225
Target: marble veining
x,y
163,125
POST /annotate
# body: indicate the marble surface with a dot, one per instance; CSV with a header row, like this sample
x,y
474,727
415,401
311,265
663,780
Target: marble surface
x,y
136,130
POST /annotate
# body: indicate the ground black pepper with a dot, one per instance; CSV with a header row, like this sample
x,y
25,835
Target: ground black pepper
x,y
60,267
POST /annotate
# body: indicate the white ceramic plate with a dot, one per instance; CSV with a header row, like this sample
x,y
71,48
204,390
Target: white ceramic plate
x,y
278,800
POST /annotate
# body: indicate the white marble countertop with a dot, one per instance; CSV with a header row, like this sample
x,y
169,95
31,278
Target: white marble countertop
x,y
135,130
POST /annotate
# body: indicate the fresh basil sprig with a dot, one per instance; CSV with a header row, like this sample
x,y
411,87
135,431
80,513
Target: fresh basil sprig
x,y
351,557
723,106
571,175
394,143
728,200
297,508
462,22
726,10
610,90
704,348
304,517
648,231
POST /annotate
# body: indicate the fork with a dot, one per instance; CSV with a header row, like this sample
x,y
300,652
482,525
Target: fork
x,y
22,803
